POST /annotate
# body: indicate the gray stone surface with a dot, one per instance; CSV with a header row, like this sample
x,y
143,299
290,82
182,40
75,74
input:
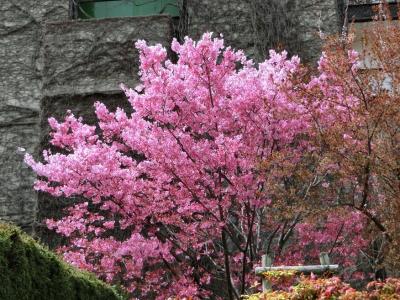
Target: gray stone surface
x,y
311,18
232,18
87,56
20,86
244,22
18,127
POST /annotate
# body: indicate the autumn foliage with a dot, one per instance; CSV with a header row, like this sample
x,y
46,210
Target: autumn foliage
x,y
333,288
361,146
223,160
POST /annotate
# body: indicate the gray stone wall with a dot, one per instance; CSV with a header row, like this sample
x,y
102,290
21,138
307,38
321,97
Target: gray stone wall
x,y
85,61
232,18
245,22
20,85
87,56
311,18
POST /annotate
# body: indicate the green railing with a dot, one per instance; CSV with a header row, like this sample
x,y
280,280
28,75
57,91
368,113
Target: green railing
x,y
126,8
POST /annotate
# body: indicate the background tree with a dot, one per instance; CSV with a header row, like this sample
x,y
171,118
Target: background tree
x,y
354,102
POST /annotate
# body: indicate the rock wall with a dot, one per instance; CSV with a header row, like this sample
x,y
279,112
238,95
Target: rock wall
x,y
311,18
20,85
85,61
86,56
232,18
252,24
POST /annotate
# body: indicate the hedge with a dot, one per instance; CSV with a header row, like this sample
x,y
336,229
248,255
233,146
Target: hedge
x,y
30,271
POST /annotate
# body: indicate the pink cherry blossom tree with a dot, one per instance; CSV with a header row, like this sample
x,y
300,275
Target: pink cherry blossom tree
x,y
182,178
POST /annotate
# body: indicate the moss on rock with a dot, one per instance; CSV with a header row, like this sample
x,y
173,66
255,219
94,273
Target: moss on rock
x,y
30,271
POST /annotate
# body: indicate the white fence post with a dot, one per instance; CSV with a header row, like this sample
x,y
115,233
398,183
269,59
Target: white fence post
x,y
324,259
266,262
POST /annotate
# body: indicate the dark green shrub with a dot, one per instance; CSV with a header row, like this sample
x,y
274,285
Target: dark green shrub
x,y
30,271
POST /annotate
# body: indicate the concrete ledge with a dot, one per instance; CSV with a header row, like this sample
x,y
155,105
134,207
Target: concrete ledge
x,y
82,57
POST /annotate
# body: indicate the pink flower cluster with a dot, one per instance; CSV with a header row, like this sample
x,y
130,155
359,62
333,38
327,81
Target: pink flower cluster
x,y
172,188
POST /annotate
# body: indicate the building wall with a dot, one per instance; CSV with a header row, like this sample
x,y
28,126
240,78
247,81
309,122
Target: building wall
x,y
311,18
232,18
20,86
247,23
